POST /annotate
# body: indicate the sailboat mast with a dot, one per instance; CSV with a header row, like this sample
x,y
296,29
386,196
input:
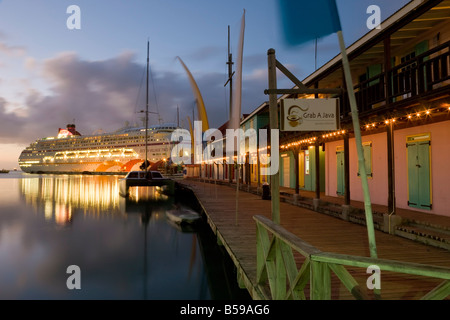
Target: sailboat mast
x,y
146,109
230,71
230,80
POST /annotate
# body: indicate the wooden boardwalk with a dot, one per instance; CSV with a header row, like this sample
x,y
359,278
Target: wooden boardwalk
x,y
236,230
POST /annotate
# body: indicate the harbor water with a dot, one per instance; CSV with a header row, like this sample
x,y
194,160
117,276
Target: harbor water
x,y
74,237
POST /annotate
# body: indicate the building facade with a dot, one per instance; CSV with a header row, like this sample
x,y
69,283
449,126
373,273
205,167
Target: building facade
x,y
401,79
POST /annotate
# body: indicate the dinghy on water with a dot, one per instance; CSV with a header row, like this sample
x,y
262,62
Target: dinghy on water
x,y
183,215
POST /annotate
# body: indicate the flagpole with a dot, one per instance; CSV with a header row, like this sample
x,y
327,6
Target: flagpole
x,y
359,148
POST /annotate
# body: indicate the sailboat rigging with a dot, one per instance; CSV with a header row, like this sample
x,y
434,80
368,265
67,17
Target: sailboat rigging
x,y
146,109
146,162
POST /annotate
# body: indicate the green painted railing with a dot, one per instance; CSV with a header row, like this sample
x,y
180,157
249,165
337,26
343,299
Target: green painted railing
x,y
279,278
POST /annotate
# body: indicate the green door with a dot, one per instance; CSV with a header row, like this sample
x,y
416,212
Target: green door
x,y
419,186
340,172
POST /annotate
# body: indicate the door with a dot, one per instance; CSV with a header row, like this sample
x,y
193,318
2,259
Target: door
x,y
301,169
286,172
340,170
419,183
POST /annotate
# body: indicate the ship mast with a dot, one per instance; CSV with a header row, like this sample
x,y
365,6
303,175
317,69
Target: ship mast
x,y
230,81
146,111
230,72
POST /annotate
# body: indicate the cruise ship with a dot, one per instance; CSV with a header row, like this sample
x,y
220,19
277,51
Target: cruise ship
x,y
120,151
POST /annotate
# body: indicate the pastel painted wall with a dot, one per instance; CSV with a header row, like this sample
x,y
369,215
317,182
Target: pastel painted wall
x,y
440,166
378,184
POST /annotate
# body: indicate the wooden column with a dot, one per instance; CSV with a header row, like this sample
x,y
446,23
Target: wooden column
x,y
387,69
317,164
273,116
296,169
346,170
317,152
258,168
391,167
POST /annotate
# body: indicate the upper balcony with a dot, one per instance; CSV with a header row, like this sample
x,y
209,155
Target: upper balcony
x,y
423,77
403,64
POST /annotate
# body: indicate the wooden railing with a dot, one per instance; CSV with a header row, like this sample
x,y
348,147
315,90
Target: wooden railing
x,y
409,79
279,253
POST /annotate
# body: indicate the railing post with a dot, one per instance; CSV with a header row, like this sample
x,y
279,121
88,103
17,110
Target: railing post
x,y
320,281
261,245
280,283
420,76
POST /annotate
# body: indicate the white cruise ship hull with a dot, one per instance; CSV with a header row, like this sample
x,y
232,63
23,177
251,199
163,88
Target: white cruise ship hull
x,y
118,152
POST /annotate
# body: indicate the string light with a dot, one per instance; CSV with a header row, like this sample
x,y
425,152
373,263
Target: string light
x,y
337,134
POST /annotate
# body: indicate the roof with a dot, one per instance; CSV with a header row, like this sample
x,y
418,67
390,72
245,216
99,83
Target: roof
x,y
409,22
412,20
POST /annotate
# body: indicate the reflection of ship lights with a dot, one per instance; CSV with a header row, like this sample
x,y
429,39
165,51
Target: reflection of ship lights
x,y
61,194
63,214
138,194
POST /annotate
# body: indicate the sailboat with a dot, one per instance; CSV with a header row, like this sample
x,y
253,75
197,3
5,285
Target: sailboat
x,y
148,176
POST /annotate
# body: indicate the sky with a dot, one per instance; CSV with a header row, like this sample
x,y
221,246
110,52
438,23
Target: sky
x,y
94,76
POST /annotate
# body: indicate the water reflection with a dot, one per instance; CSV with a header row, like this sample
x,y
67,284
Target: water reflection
x,y
125,248
59,195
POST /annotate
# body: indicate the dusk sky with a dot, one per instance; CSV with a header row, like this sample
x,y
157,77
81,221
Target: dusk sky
x,y
94,76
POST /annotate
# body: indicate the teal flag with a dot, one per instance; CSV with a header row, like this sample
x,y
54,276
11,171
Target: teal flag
x,y
306,20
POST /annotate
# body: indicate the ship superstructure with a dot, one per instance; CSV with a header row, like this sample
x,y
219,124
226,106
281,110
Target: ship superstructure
x,y
120,151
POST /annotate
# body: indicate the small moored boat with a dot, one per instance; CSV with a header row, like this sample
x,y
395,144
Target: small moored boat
x,y
183,216
146,179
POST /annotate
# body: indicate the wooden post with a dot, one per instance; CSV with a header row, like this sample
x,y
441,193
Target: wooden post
x,y
317,151
296,170
317,164
390,164
273,115
320,281
359,147
258,168
387,69
280,283
346,170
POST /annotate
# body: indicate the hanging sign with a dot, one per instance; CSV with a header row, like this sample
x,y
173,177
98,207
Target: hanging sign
x,y
309,114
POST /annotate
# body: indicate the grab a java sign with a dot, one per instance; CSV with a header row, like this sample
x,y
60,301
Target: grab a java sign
x,y
309,114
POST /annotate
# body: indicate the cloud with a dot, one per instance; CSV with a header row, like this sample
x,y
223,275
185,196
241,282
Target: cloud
x,y
11,50
105,94
208,52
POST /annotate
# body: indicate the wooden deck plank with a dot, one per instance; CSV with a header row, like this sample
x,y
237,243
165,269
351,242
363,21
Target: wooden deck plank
x,y
326,233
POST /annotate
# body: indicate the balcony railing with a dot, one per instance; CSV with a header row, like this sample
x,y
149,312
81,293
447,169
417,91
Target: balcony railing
x,y
410,79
